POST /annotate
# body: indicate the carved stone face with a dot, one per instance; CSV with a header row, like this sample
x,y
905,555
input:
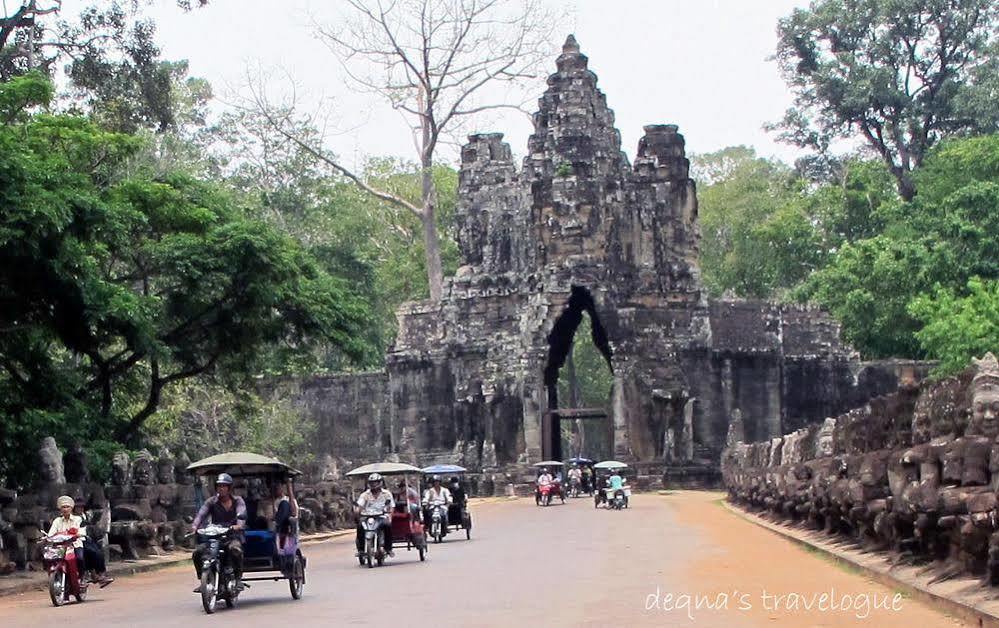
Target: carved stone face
x,y
120,469
50,458
142,469
165,469
985,409
825,442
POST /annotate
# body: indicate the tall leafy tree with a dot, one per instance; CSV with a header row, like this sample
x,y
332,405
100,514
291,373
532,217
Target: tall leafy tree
x,y
114,287
901,74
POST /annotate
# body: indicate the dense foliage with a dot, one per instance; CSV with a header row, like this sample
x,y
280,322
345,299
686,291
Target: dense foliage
x,y
853,246
115,284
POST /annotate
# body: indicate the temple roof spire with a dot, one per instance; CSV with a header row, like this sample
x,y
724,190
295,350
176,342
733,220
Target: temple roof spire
x,y
571,58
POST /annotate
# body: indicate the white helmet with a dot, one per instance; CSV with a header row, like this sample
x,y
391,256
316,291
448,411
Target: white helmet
x,y
374,478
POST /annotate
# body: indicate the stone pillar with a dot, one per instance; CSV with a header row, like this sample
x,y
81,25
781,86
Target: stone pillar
x,y
620,410
773,384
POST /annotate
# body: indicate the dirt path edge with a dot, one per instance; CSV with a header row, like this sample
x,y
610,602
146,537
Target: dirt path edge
x,y
970,614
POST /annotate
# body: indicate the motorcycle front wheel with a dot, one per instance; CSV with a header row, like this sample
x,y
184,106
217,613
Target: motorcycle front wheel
x,y
57,587
209,588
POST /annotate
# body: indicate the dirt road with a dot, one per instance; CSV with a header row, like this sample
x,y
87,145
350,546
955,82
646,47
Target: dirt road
x,y
675,560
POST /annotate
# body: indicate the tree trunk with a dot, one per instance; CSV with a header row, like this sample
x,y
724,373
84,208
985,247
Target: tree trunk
x,y
574,400
903,180
435,271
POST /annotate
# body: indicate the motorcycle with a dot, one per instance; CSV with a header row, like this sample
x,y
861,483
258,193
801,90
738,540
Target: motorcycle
x,y
574,487
374,538
438,527
65,576
619,499
545,494
218,578
616,499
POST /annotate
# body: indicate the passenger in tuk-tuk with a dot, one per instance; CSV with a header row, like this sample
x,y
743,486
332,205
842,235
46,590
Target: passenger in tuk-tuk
x,y
285,508
458,492
406,493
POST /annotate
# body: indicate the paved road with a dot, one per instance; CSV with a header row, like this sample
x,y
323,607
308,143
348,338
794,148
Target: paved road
x,y
525,566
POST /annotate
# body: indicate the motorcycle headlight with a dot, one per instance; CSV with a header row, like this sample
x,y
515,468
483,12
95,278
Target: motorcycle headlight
x,y
53,553
371,521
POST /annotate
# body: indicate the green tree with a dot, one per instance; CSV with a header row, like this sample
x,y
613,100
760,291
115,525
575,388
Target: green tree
x,y
957,328
940,240
112,288
901,74
757,238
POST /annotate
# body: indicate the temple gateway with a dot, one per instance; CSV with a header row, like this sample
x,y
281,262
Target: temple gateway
x,y
579,230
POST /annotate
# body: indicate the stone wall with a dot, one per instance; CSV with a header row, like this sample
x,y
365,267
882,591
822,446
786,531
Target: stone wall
x,y
913,473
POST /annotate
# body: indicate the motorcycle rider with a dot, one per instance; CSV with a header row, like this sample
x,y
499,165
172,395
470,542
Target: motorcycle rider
x,y
71,525
543,480
375,498
575,475
434,496
616,481
223,509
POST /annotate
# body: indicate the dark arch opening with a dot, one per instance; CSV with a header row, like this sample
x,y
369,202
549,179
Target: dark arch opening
x,y
559,344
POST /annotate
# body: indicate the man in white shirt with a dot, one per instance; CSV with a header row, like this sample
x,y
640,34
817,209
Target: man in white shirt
x,y
376,498
436,495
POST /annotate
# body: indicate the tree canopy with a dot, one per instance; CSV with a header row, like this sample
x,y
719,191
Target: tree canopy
x,y
116,284
901,74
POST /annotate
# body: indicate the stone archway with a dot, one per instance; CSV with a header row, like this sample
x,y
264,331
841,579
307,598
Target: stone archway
x,y
560,341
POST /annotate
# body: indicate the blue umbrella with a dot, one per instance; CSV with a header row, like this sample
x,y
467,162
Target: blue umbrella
x,y
444,468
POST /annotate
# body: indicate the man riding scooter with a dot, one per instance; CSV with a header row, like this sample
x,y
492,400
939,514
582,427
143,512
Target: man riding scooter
x,y
223,509
375,498
434,497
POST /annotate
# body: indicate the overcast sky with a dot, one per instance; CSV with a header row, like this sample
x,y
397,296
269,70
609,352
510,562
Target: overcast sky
x,y
700,64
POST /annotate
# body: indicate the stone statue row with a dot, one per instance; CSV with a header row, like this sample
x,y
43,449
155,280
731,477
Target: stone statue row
x,y
914,473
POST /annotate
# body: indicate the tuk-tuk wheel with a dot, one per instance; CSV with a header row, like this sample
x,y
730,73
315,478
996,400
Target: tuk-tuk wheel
x,y
297,581
468,534
423,553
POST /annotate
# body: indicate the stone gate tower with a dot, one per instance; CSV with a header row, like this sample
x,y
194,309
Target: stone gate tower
x,y
578,229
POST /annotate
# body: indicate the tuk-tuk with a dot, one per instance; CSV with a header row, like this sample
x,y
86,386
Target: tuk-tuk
x,y
458,516
544,495
406,521
265,549
604,494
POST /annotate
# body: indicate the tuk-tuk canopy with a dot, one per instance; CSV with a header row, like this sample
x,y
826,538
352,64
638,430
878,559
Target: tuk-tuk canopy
x,y
548,463
610,464
444,468
578,460
241,463
384,468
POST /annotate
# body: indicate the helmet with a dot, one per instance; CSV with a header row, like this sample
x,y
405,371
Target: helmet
x,y
374,478
435,478
223,478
